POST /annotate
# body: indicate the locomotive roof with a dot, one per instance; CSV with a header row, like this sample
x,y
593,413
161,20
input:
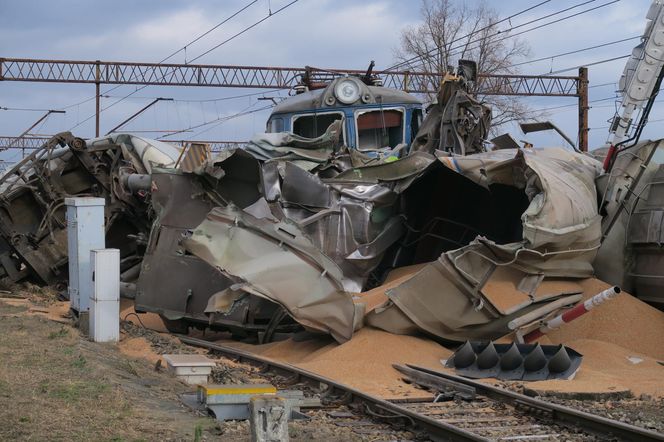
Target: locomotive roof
x,y
314,100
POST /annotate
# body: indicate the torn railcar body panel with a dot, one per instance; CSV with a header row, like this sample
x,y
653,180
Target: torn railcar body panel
x,y
351,222
32,214
454,298
318,217
172,283
632,199
181,286
277,262
561,225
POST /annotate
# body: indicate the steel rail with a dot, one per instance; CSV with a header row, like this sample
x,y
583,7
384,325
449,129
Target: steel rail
x,y
562,414
437,430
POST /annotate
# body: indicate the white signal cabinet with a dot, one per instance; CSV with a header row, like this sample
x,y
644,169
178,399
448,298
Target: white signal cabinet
x,y
105,299
85,232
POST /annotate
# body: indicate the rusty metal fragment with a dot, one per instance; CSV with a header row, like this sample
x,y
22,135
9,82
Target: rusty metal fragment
x,y
33,241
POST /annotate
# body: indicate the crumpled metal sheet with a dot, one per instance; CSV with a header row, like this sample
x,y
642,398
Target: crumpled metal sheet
x,y
348,221
306,152
643,230
352,218
456,124
560,238
561,226
32,220
278,262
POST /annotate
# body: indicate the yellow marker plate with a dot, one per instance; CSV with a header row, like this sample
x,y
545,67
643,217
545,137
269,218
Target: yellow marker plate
x,y
238,389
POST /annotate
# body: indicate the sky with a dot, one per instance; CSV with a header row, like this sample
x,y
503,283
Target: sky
x,y
322,33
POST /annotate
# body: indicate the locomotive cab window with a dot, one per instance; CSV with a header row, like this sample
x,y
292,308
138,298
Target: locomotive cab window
x,y
380,128
314,125
275,124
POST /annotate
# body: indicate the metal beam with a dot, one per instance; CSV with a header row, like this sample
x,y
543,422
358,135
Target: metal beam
x,y
33,143
111,72
583,109
137,113
25,132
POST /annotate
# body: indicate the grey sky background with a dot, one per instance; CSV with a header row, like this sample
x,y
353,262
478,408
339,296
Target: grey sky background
x,y
322,33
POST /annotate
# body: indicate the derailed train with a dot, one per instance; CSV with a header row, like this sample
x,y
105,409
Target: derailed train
x,y
350,210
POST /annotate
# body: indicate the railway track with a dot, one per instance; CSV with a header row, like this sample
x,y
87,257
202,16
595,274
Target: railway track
x,y
464,410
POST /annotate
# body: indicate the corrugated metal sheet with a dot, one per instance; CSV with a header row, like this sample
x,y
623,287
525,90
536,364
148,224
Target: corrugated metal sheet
x,y
195,154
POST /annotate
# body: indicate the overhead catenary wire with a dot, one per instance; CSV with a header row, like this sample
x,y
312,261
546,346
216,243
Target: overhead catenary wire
x,y
183,47
658,120
269,15
571,107
24,109
523,11
544,109
163,60
539,26
612,83
577,51
595,63
585,11
512,35
206,100
224,118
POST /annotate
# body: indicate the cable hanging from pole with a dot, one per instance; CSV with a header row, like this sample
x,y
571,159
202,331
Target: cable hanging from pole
x,y
192,60
163,60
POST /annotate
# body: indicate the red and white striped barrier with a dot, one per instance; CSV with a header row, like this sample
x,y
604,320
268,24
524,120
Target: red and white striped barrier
x,y
573,313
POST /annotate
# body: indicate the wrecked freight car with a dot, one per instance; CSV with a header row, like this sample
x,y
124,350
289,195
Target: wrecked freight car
x,y
406,240
484,238
409,231
632,202
33,237
378,123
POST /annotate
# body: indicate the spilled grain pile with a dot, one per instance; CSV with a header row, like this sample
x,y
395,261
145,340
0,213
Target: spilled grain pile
x,y
610,337
364,362
624,321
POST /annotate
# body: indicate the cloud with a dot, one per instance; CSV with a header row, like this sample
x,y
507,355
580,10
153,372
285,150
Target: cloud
x,y
323,33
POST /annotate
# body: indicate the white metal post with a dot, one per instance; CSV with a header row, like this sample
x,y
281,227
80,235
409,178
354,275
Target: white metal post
x,y
105,297
85,231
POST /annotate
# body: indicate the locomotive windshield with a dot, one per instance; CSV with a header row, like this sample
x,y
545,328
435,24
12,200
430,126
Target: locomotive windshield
x,y
375,118
314,125
379,128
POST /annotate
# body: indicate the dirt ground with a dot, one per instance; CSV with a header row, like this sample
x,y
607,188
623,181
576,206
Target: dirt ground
x,y
57,385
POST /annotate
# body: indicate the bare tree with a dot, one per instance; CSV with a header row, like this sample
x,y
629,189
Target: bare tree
x,y
453,30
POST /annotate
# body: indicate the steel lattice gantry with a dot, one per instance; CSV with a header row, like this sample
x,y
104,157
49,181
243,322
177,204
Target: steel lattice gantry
x,y
107,72
32,143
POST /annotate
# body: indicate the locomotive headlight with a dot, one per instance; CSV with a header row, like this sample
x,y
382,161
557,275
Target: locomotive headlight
x,y
347,91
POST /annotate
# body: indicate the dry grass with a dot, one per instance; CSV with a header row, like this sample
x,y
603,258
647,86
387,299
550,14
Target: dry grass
x,y
55,385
